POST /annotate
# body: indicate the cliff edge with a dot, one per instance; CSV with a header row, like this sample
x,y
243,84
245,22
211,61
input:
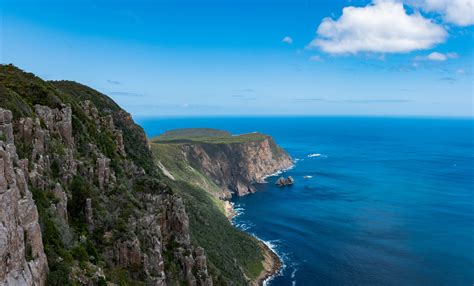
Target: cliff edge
x,y
232,162
83,202
217,164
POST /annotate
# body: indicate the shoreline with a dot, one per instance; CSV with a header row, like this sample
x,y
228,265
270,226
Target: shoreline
x,y
279,172
272,264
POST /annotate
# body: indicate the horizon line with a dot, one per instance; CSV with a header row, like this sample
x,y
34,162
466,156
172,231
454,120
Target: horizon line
x,y
414,116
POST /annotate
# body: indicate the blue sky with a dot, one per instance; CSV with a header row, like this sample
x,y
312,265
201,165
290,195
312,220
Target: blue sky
x,y
229,57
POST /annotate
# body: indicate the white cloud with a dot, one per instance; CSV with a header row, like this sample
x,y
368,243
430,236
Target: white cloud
x,y
435,56
287,40
459,12
381,27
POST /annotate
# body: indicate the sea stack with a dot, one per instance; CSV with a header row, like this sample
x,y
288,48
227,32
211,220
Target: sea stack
x,y
281,182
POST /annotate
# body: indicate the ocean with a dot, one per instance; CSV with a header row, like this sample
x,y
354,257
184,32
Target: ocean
x,y
382,201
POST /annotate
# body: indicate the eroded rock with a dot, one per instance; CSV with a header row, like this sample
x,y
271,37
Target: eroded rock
x,y
22,257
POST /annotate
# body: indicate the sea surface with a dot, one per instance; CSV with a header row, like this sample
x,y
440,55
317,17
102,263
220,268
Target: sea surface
x,y
390,201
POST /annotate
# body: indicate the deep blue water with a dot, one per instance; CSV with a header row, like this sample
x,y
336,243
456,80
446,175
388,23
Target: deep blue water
x,y
391,200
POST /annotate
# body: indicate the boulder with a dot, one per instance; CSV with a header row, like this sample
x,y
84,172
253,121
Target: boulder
x,y
281,182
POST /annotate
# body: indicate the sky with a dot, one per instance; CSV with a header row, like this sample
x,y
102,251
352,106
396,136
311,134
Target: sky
x,y
260,57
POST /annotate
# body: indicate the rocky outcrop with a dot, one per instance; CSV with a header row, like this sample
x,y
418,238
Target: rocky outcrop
x,y
22,257
236,167
281,182
105,175
58,121
78,182
162,224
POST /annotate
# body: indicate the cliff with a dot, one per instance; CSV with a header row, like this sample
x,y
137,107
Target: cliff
x,y
207,166
21,247
233,163
81,200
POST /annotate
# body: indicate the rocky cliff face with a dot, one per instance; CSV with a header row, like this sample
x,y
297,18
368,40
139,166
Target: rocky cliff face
x,y
80,199
236,167
206,167
22,257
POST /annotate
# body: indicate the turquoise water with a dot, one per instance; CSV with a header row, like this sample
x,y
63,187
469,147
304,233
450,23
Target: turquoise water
x,y
390,201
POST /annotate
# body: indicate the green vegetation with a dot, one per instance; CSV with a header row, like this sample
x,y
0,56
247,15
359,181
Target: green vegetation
x,y
59,258
205,135
229,250
186,133
81,92
72,245
232,254
170,156
76,207
133,135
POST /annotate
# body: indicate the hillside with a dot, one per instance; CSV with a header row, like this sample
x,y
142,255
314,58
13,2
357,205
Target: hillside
x,y
221,163
83,202
215,165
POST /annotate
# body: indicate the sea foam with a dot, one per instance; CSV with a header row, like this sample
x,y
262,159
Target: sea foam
x,y
314,155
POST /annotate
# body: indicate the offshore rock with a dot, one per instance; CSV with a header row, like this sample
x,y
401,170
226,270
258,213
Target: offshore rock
x,y
281,182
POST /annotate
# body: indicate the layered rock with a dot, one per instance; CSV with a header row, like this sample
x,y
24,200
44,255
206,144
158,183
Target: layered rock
x,y
22,257
236,167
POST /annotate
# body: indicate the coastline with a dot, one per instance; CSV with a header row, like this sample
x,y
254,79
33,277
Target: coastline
x,y
272,264
279,172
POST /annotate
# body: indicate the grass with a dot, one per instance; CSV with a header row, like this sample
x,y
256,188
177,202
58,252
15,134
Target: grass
x,y
193,132
232,253
229,250
205,135
170,156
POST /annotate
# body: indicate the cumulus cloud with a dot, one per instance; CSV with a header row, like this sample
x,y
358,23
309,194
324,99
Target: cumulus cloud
x,y
458,12
439,56
380,27
436,56
287,40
